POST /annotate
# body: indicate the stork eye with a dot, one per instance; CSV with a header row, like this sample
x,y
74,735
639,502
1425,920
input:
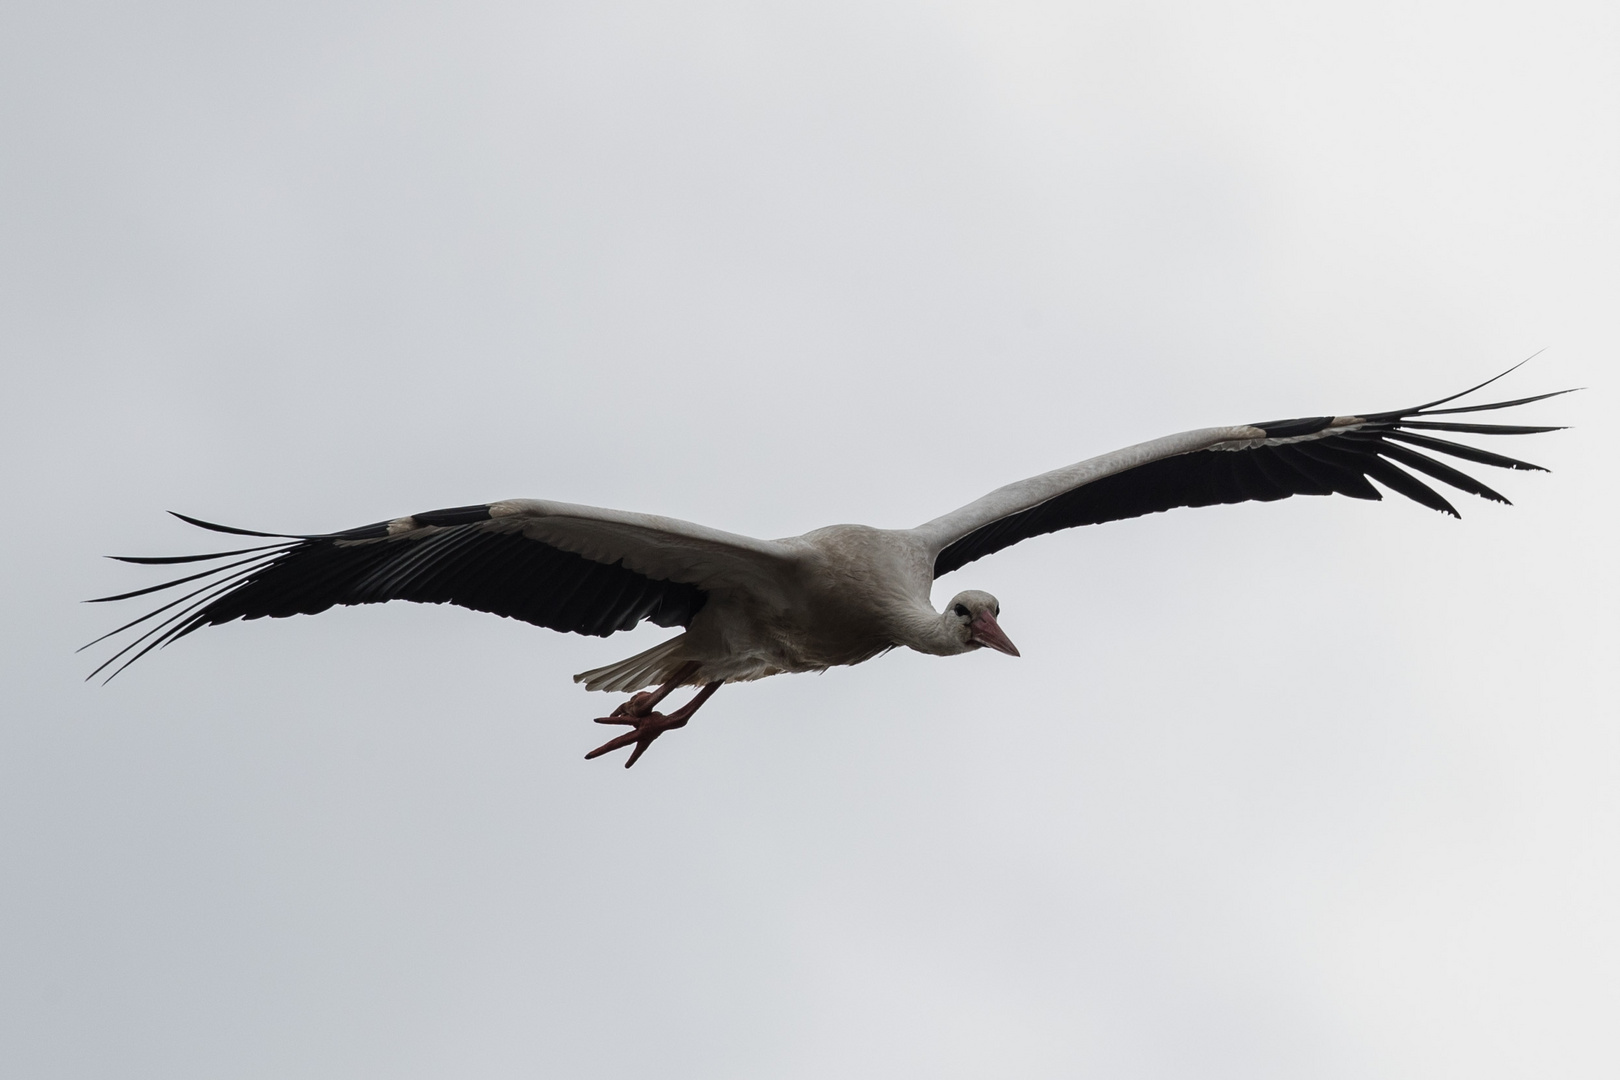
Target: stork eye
x,y
960,611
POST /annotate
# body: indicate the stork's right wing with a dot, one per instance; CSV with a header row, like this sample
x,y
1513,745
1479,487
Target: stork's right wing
x,y
574,568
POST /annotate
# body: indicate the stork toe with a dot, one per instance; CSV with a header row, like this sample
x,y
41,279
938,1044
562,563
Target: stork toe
x,y
648,725
645,729
639,705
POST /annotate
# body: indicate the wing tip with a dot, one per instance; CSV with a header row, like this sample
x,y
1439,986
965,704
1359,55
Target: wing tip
x,y
215,527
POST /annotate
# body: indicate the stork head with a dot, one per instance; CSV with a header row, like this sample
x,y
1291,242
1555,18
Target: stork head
x,y
975,613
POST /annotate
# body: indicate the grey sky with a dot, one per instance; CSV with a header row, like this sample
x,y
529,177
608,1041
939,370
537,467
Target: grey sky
x,y
1320,788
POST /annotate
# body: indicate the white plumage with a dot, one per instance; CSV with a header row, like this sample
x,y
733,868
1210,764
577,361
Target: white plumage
x,y
837,595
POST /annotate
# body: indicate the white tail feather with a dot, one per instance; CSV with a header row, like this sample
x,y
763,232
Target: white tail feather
x,y
638,672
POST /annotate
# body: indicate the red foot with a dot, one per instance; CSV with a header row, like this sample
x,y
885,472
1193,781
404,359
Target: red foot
x,y
647,725
645,730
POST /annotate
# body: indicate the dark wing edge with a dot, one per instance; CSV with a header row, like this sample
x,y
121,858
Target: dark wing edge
x,y
439,557
1321,455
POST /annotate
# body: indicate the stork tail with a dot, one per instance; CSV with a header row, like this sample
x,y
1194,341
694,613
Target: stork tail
x,y
651,668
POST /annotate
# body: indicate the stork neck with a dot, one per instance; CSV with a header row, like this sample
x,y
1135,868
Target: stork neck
x,y
935,633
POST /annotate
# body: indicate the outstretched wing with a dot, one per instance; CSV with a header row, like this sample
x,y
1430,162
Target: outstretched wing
x,y
1320,455
574,568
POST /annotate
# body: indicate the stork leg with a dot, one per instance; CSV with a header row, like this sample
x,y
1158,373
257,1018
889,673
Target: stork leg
x,y
642,704
646,724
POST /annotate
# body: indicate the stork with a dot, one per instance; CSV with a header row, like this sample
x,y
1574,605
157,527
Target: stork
x,y
837,595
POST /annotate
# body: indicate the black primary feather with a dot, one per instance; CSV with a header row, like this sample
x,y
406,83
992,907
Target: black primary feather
x,y
456,561
1343,462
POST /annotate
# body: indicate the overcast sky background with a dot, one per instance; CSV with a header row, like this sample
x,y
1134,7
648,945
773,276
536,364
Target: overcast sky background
x,y
1320,788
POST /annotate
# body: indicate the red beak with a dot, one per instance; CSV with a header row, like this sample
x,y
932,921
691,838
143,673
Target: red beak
x,y
983,629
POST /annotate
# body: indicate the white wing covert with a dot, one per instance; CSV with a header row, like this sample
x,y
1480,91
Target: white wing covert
x,y
572,568
1321,455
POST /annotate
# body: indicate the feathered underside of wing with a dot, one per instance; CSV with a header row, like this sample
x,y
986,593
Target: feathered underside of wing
x,y
1321,455
456,556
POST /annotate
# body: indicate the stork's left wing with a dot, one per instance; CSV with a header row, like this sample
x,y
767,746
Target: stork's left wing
x,y
1320,455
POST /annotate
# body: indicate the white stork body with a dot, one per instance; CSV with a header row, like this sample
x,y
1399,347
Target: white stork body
x,y
838,595
835,596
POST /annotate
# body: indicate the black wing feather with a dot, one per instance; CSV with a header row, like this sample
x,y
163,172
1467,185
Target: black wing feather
x,y
458,561
1322,462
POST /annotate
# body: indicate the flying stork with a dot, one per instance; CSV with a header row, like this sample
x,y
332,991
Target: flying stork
x,y
837,595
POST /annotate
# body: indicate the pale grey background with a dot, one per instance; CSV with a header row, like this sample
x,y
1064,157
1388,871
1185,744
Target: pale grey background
x,y
1319,789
